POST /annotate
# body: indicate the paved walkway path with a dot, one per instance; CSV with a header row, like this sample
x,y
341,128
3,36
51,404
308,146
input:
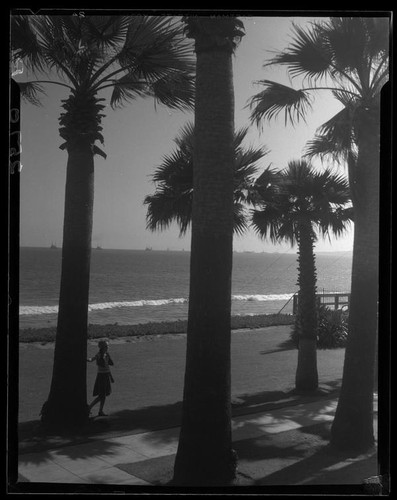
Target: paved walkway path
x,y
267,443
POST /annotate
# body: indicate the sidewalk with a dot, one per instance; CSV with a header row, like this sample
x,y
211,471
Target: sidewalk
x,y
284,445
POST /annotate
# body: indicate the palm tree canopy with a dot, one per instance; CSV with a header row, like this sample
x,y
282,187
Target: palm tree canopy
x,y
172,200
136,56
300,195
352,54
223,31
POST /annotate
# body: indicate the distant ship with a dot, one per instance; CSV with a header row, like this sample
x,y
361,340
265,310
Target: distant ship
x,y
53,246
98,247
148,249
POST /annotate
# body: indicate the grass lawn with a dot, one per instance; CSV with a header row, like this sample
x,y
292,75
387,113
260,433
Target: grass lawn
x,y
149,372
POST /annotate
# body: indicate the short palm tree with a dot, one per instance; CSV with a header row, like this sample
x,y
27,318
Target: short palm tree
x,y
293,205
172,200
348,57
205,455
135,56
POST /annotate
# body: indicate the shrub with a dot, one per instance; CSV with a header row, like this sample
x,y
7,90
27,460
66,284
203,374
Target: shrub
x,y
332,328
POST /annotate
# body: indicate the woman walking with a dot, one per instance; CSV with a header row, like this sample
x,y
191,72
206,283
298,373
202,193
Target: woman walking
x,y
102,386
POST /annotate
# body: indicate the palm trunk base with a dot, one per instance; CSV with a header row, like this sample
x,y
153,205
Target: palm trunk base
x,y
306,378
204,468
352,435
61,417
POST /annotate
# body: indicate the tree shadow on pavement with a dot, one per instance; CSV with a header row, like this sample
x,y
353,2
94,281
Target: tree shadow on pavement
x,y
32,437
324,465
302,457
287,397
92,449
286,345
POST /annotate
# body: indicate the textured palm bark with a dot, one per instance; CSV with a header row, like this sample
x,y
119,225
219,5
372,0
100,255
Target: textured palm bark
x,y
67,401
353,424
306,378
205,454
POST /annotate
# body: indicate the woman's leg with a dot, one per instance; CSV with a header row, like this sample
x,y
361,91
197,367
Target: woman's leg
x,y
101,405
96,400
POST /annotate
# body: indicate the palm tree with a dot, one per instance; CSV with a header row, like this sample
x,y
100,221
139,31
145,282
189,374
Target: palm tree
x,y
205,455
135,56
172,200
352,53
292,205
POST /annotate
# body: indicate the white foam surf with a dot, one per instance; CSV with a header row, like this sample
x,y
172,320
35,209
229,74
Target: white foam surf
x,y
39,310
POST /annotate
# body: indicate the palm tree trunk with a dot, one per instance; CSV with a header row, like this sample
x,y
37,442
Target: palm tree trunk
x,y
205,454
306,378
67,401
353,424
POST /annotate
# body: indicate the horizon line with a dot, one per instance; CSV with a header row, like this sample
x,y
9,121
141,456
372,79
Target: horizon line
x,y
150,249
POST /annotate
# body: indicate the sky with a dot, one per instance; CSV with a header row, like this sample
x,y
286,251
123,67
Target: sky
x,y
139,135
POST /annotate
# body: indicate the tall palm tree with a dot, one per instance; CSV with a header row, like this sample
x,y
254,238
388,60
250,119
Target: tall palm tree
x,y
172,200
348,57
293,205
135,56
205,455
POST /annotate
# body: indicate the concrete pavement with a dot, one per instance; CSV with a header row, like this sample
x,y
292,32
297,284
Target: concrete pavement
x,y
267,442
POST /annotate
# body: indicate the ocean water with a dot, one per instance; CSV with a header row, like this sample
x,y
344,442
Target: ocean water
x,y
137,286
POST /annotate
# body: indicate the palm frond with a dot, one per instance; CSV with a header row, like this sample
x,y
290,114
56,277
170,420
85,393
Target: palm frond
x,y
128,88
174,184
175,171
176,91
307,55
323,147
58,45
339,129
167,206
246,162
266,186
80,47
346,98
297,178
107,31
244,184
185,139
335,222
378,36
155,47
239,137
268,224
329,189
240,220
347,41
299,193
246,157
25,44
276,98
30,92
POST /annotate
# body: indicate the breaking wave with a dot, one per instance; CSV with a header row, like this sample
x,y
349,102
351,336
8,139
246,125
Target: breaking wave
x,y
38,310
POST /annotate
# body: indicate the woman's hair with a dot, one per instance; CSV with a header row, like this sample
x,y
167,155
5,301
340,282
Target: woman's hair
x,y
102,344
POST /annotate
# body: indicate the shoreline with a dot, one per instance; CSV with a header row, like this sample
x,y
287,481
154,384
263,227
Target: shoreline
x,y
115,330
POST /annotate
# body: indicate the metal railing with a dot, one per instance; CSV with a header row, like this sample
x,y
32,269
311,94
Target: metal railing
x,y
336,300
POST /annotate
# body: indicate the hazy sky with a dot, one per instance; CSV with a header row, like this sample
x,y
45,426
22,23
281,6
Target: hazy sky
x,y
136,139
